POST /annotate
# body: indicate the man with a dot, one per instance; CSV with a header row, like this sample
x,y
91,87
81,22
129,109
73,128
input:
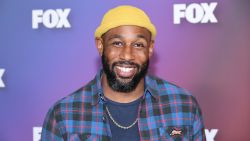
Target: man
x,y
123,103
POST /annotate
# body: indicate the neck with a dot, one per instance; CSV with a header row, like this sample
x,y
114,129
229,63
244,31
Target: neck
x,y
122,97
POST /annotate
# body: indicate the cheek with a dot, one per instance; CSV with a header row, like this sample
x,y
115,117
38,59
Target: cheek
x,y
142,56
111,55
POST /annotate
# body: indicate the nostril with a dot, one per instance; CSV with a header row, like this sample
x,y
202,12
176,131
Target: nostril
x,y
127,53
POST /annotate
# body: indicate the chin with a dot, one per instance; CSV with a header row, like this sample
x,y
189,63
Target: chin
x,y
124,80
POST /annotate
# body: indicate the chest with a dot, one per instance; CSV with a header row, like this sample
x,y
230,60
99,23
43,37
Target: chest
x,y
156,121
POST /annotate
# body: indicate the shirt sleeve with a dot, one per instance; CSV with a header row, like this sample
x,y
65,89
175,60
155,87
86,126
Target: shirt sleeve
x,y
50,129
198,125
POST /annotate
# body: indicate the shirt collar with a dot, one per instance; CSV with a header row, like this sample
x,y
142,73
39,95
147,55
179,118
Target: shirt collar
x,y
97,91
151,87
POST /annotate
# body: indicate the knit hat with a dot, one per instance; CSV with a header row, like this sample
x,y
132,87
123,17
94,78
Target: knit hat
x,y
125,15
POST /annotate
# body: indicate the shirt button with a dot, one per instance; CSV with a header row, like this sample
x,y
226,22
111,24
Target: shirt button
x,y
102,98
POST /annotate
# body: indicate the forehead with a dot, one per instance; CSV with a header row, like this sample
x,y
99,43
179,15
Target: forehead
x,y
127,31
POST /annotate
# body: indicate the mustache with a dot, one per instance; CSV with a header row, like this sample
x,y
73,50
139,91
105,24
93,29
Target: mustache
x,y
125,63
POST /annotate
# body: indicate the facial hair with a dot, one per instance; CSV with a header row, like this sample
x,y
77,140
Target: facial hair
x,y
118,85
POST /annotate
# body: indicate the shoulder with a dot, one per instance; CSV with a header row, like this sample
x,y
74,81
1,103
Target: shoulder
x,y
165,87
170,92
75,99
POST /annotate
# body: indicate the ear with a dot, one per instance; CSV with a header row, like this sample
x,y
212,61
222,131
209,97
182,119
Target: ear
x,y
151,48
99,45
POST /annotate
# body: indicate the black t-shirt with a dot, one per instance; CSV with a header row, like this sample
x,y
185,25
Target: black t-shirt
x,y
124,114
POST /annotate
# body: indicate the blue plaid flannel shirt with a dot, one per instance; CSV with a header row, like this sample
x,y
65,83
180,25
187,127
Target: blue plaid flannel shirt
x,y
166,113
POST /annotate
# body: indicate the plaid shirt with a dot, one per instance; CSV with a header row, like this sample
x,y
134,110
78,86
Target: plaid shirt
x,y
167,112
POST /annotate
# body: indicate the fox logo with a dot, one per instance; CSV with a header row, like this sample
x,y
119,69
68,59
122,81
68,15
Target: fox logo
x,y
176,132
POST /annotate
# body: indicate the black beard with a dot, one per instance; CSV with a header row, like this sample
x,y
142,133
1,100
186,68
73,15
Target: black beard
x,y
118,85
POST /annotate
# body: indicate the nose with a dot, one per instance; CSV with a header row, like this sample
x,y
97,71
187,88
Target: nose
x,y
127,53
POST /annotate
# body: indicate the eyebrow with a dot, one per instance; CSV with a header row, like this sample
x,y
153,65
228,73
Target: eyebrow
x,y
114,36
141,36
120,36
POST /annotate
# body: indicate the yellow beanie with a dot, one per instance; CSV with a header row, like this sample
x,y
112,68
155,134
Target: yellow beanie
x,y
125,15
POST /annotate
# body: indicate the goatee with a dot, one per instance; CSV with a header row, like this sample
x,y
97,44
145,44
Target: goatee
x,y
122,86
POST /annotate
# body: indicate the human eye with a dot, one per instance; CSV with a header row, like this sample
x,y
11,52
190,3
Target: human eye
x,y
139,45
117,43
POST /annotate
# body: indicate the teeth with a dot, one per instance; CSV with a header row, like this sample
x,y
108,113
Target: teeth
x,y
125,69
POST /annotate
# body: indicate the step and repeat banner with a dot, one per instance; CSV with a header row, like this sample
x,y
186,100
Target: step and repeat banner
x,y
47,51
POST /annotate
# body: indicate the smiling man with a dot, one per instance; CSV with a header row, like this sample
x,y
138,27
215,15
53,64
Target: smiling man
x,y
123,102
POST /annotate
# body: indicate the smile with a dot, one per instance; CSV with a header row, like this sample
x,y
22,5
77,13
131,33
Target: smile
x,y
125,71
